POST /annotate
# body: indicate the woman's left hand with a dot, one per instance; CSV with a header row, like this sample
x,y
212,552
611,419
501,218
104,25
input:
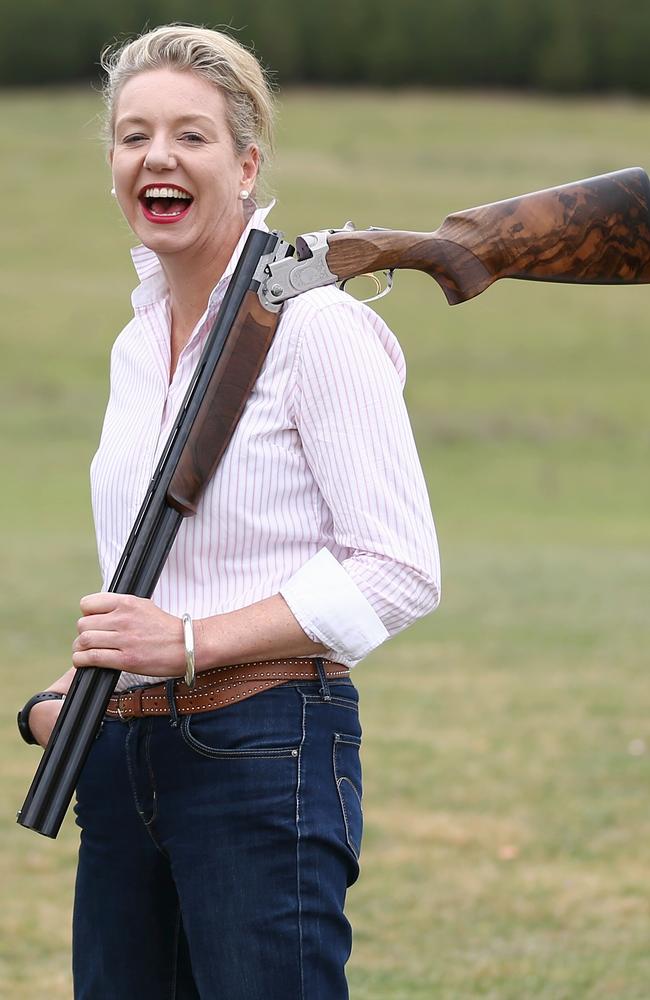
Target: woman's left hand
x,y
128,633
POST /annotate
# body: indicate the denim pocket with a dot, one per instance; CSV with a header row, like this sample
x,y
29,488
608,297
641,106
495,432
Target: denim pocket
x,y
204,738
268,725
347,774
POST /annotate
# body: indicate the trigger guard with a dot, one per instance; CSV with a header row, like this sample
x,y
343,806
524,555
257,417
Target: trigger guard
x,y
370,274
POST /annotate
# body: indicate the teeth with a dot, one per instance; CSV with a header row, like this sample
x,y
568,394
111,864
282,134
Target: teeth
x,y
167,192
167,214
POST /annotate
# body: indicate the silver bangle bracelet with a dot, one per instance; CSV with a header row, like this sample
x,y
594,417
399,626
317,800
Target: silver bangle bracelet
x,y
188,639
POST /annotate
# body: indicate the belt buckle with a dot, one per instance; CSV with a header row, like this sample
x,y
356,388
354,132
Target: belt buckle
x,y
120,711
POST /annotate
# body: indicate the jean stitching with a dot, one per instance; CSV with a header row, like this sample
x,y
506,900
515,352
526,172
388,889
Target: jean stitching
x,y
147,743
218,754
242,754
352,785
129,765
298,872
341,702
354,741
339,779
346,821
134,792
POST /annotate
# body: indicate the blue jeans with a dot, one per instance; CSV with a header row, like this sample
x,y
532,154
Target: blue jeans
x,y
216,850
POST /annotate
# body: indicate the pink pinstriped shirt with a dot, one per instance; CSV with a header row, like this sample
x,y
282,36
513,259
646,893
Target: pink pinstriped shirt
x,y
320,495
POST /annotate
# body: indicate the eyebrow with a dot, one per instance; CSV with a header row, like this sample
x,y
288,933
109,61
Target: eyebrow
x,y
140,120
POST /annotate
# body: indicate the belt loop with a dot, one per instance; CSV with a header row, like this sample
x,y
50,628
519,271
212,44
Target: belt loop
x,y
173,710
324,684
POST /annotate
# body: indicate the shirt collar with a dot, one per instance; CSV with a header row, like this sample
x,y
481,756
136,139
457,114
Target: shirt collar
x,y
153,284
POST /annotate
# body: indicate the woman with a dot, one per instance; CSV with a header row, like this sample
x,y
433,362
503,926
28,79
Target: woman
x,y
217,846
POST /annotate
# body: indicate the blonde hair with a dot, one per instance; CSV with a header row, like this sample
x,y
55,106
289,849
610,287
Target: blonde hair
x,y
213,55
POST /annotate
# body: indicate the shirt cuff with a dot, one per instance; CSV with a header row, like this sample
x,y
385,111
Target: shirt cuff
x,y
331,609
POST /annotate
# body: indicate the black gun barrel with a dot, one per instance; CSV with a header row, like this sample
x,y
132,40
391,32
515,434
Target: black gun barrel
x,y
137,573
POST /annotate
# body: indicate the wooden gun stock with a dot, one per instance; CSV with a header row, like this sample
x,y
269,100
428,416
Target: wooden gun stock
x,y
595,231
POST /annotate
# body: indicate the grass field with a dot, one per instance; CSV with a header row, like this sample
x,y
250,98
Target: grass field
x,y
507,741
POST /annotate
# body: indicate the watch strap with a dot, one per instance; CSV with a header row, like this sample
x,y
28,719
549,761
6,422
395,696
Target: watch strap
x,y
23,715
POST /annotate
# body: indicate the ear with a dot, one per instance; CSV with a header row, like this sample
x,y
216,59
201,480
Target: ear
x,y
250,166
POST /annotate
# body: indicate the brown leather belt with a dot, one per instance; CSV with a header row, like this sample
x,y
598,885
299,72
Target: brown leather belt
x,y
219,687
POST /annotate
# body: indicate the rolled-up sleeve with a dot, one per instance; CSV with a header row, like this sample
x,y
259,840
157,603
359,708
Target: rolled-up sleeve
x,y
351,417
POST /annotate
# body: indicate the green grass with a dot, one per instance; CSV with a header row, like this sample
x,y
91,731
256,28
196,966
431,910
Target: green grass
x,y
507,831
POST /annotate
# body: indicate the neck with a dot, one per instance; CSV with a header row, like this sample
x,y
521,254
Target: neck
x,y
191,276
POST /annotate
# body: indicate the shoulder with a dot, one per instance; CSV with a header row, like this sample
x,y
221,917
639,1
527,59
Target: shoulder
x,y
326,318
311,305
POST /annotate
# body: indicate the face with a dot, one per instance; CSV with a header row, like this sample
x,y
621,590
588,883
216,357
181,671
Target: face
x,y
176,174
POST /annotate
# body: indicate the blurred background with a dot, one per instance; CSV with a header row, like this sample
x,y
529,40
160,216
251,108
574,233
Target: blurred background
x,y
507,846
552,45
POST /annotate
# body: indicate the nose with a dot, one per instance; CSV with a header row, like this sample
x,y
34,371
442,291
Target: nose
x,y
160,155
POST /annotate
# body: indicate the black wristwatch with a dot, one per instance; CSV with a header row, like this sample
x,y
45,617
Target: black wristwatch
x,y
23,715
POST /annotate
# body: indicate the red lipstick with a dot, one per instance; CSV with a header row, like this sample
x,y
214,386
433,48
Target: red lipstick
x,y
163,209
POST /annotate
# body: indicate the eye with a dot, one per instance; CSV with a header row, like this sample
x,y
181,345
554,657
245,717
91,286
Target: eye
x,y
192,137
130,140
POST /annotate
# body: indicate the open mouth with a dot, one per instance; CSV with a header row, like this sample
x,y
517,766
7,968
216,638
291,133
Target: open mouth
x,y
165,204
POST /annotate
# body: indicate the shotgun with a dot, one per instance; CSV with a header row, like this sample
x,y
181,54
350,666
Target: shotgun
x,y
595,231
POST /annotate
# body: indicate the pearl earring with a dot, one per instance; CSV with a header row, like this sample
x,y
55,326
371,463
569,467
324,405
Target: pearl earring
x,y
243,194
113,191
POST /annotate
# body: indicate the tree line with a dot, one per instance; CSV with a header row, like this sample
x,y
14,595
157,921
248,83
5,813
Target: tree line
x,y
557,45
